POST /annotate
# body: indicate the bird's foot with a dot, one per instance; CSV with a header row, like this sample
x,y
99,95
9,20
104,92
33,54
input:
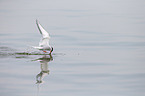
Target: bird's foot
x,y
45,51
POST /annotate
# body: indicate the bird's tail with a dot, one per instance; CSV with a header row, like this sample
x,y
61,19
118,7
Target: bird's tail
x,y
36,47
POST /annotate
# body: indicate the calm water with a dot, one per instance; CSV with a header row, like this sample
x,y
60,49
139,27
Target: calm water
x,y
99,48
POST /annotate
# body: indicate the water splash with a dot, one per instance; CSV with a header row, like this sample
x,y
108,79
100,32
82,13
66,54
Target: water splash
x,y
9,52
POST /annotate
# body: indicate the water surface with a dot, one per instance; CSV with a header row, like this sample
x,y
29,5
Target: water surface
x,y
99,48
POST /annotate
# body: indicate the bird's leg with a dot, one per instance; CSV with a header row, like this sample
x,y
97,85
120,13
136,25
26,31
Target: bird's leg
x,y
44,51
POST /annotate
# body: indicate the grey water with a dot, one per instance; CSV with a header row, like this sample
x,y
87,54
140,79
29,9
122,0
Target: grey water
x,y
99,48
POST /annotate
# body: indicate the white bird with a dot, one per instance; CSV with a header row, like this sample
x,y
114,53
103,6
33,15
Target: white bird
x,y
44,42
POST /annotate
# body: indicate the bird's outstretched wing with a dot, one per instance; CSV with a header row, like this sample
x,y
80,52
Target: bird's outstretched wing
x,y
44,33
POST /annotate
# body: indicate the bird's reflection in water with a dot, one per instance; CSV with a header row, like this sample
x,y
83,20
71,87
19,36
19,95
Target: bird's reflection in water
x,y
44,68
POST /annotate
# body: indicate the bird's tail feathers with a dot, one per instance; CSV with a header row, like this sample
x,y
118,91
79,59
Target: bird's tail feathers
x,y
36,47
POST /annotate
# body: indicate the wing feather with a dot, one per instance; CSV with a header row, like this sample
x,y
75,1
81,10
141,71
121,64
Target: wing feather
x,y
45,36
44,33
